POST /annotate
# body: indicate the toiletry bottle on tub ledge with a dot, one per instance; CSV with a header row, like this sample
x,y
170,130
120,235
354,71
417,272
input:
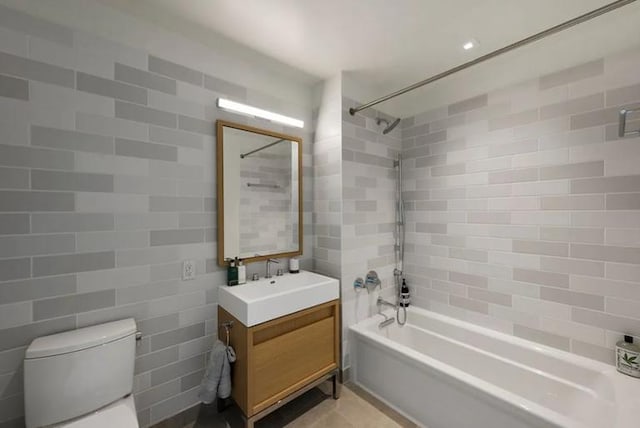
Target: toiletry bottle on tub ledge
x,y
628,357
405,296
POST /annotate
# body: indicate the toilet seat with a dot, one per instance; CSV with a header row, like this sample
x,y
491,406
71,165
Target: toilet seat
x,y
121,414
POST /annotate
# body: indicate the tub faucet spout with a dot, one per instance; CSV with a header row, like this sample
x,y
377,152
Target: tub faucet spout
x,y
387,321
381,302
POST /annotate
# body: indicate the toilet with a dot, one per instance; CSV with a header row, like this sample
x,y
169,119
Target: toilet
x,y
82,378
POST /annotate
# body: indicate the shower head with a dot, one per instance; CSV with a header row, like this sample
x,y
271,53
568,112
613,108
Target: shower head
x,y
388,126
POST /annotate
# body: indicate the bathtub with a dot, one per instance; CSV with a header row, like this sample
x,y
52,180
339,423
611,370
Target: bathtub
x,y
444,373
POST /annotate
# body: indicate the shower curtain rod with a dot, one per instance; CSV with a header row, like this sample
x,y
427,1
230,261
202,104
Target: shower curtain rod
x,y
244,155
555,29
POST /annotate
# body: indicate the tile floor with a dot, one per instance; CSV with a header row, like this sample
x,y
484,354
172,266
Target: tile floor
x,y
314,409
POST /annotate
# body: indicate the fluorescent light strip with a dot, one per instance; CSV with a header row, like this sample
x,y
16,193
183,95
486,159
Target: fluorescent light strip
x,y
257,112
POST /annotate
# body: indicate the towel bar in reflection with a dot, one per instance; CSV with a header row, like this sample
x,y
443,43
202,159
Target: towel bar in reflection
x,y
266,186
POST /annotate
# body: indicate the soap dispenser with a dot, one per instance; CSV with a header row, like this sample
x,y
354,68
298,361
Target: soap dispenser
x,y
232,273
628,357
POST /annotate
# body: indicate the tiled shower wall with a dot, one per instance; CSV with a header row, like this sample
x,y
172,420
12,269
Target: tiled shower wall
x,y
327,178
524,208
107,183
354,199
368,197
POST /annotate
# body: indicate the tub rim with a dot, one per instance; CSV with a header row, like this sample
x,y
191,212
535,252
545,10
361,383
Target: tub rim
x,y
367,329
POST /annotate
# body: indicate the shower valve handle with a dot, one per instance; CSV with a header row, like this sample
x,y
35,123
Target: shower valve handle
x,y
372,281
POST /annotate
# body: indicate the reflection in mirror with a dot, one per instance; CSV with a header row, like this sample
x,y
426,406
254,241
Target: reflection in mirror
x,y
260,199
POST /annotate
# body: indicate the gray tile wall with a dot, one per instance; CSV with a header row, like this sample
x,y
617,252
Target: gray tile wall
x,y
327,179
523,208
107,183
368,215
267,211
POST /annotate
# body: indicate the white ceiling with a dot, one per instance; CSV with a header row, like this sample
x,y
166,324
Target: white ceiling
x,y
389,44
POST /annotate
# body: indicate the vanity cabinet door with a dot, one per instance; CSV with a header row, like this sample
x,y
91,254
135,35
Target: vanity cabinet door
x,y
287,362
281,356
292,351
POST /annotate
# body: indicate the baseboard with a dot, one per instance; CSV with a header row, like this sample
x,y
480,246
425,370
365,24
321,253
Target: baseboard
x,y
190,415
345,375
181,419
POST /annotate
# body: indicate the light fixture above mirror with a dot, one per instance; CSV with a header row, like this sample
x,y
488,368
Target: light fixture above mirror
x,y
248,110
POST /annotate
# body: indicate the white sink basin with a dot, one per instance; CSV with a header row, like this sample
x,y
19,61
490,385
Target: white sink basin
x,y
258,301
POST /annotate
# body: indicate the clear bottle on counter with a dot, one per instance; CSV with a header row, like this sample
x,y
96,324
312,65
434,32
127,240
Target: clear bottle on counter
x,y
242,272
294,265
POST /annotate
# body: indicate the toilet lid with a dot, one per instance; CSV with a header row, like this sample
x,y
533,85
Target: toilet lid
x,y
121,414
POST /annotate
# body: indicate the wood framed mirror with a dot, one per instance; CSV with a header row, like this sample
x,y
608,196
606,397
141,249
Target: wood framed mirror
x,y
259,181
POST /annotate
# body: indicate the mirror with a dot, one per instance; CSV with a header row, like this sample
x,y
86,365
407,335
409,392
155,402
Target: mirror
x,y
259,175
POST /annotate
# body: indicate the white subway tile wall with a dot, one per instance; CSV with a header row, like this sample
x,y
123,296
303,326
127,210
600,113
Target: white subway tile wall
x,y
107,182
523,208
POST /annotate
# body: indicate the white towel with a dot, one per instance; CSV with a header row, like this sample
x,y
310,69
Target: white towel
x,y
217,378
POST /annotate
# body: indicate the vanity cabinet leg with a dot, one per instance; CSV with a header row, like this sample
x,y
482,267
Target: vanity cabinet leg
x,y
335,383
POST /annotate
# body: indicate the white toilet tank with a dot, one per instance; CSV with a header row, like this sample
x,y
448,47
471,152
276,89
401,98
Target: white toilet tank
x,y
70,374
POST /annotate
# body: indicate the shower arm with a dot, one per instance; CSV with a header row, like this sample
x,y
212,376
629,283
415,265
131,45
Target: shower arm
x,y
538,36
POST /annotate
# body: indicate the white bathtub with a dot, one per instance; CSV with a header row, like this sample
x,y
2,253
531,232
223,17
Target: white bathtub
x,y
444,373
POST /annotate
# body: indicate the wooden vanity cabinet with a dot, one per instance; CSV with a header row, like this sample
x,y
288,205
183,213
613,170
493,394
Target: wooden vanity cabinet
x,y
279,357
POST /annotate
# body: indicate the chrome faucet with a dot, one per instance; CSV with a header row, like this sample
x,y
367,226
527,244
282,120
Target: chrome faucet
x,y
381,302
387,320
269,261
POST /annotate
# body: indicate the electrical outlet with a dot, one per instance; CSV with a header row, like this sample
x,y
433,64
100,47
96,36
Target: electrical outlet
x,y
188,270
